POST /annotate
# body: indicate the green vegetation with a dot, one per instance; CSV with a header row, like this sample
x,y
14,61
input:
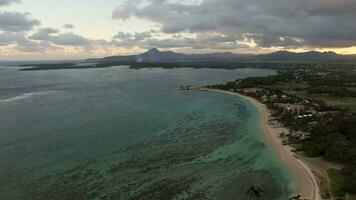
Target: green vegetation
x,y
336,183
352,89
318,104
324,187
350,196
340,185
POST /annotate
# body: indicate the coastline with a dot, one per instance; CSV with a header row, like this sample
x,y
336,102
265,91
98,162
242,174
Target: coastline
x,y
307,182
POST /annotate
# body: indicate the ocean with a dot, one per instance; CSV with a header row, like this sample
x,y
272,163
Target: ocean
x,y
127,134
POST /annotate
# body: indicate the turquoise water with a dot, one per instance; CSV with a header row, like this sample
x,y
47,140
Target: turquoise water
x,y
119,133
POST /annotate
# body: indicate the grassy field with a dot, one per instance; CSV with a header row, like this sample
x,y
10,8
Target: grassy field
x,y
324,187
336,184
337,179
352,89
290,86
347,102
350,197
300,90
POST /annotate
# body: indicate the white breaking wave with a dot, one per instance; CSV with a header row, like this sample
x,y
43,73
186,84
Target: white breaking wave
x,y
22,97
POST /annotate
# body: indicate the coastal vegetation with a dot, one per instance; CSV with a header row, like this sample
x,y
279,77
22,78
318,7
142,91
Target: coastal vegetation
x,y
318,104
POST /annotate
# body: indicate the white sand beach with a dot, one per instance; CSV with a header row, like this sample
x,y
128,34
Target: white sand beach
x,y
308,186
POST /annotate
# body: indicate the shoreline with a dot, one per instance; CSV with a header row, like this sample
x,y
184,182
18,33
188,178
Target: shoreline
x,y
307,184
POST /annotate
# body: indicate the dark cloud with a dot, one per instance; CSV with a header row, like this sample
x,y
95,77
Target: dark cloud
x,y
320,23
190,43
265,40
152,39
8,2
16,22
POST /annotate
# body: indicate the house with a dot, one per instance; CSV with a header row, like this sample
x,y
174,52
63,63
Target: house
x,y
299,135
264,98
252,90
275,124
291,107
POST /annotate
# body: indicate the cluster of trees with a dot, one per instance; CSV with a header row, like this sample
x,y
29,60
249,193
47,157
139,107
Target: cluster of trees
x,y
333,135
350,178
255,81
333,82
331,91
334,139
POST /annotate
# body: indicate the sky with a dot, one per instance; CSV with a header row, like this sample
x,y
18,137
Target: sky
x,y
68,29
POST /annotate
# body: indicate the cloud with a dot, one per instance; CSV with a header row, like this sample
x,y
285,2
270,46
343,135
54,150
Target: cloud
x,y
44,34
138,36
22,43
70,39
7,38
34,47
265,40
124,11
66,39
16,22
152,38
269,23
68,26
8,2
46,39
190,43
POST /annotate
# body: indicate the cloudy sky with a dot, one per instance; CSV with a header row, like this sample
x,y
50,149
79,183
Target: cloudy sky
x,y
67,29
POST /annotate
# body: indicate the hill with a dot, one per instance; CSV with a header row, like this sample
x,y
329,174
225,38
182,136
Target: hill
x,y
155,55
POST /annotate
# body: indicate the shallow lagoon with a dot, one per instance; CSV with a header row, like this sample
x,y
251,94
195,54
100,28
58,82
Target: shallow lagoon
x,y
119,133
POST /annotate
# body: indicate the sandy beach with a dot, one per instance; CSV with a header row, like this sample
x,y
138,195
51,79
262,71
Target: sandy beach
x,y
308,186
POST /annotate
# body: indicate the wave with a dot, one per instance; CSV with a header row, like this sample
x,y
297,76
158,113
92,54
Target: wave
x,y
23,96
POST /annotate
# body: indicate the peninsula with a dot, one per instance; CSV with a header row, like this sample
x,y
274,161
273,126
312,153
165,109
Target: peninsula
x,y
308,116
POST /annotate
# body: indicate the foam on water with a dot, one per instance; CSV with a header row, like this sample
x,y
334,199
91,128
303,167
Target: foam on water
x,y
125,134
24,96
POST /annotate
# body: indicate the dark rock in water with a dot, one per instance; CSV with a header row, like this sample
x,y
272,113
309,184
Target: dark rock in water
x,y
254,191
252,185
186,88
298,197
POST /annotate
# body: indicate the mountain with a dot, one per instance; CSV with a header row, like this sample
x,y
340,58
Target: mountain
x,y
305,56
155,55
152,55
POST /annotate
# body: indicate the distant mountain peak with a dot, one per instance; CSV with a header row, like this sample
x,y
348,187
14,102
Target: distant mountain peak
x,y
301,56
152,53
153,50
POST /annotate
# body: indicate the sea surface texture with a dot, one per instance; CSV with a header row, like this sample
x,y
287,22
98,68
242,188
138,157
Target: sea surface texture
x,y
125,134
